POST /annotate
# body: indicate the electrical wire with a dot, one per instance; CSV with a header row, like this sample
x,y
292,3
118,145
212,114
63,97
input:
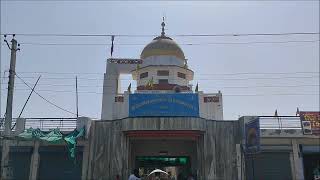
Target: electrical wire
x,y
275,94
238,73
182,44
232,87
177,35
206,79
53,104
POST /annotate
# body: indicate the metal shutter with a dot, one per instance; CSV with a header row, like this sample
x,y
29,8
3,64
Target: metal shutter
x,y
55,164
269,166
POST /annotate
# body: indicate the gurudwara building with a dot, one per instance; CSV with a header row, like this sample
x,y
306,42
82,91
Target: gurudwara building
x,y
167,124
163,123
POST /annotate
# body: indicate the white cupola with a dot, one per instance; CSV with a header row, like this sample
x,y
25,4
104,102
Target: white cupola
x,y
164,66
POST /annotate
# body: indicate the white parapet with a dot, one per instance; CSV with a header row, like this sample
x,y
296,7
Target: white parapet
x,y
20,126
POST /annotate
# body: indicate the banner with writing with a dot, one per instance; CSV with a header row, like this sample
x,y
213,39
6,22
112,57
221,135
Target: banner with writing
x,y
178,104
310,121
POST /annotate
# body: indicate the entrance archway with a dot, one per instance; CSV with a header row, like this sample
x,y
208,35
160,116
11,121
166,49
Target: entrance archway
x,y
171,151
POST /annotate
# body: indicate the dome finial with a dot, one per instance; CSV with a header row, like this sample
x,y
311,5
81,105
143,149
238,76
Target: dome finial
x,y
163,25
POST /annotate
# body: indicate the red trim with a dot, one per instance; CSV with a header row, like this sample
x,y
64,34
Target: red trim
x,y
173,133
163,87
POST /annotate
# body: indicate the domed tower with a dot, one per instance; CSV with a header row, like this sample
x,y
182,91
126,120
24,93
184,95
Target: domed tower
x,y
164,67
163,85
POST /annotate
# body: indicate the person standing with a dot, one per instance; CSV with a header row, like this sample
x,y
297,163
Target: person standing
x,y
190,177
117,177
135,175
171,177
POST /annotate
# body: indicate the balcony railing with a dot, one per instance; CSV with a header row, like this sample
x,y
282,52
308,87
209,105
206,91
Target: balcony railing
x,y
45,124
69,124
280,122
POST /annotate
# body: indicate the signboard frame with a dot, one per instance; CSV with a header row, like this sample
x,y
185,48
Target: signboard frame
x,y
310,122
252,137
124,61
164,105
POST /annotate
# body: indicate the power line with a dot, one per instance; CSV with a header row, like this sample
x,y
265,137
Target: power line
x,y
177,35
264,73
280,94
235,87
289,86
238,73
276,94
207,79
45,98
251,34
182,44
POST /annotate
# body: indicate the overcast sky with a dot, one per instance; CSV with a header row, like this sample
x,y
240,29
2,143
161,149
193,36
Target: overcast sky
x,y
218,62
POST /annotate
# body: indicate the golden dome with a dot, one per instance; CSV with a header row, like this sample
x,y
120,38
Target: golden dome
x,y
162,45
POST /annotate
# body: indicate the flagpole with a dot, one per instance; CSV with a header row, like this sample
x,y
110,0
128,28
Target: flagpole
x,y
297,112
112,39
276,115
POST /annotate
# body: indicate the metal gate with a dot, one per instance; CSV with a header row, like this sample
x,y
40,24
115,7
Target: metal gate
x,y
19,162
55,163
268,165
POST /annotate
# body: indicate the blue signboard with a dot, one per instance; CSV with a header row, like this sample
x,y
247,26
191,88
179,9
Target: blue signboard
x,y
178,104
252,133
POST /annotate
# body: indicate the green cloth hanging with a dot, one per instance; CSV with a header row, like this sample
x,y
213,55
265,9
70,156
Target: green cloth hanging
x,y
30,134
53,137
71,140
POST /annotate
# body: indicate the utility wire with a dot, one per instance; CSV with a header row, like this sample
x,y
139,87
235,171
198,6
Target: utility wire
x,y
177,35
214,74
45,98
25,104
207,79
264,73
235,87
276,94
182,44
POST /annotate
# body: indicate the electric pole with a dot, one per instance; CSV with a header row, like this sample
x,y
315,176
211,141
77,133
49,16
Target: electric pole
x,y
5,169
